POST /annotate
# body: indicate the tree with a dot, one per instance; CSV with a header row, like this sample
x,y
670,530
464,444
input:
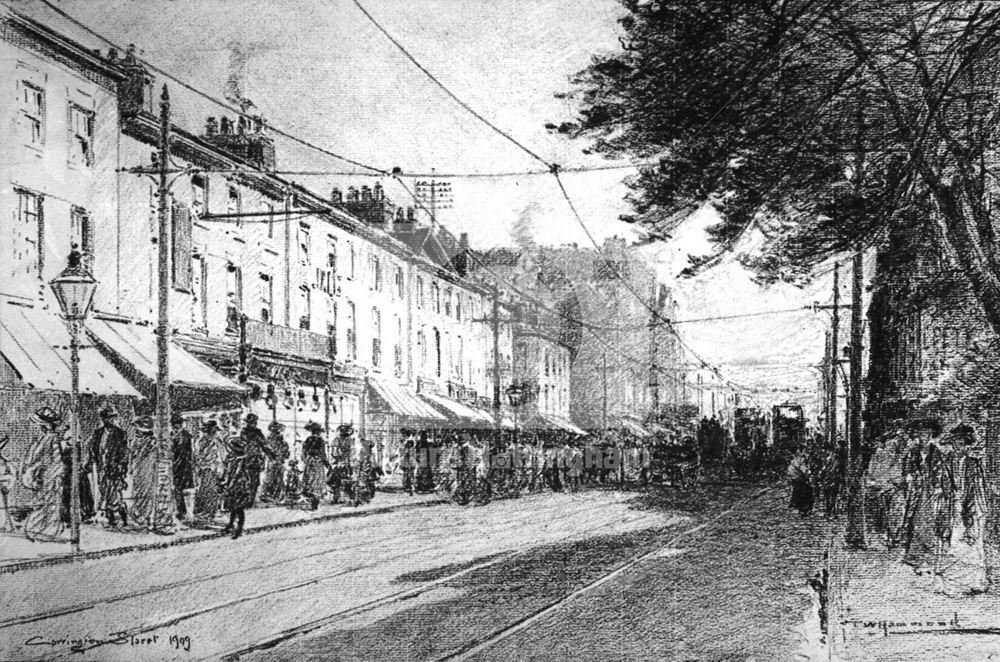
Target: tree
x,y
761,107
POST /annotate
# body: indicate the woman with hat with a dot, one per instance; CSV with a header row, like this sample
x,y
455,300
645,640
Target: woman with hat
x,y
210,463
274,475
963,569
316,464
43,475
237,485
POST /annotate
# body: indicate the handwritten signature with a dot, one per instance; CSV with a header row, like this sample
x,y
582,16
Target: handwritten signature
x,y
85,643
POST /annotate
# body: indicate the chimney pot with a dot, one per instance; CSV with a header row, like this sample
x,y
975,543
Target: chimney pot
x,y
211,126
336,196
225,126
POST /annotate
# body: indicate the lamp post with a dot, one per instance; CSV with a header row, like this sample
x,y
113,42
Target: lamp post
x,y
74,289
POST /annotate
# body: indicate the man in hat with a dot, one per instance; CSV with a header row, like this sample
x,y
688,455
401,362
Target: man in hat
x,y
257,451
87,510
109,448
921,471
183,459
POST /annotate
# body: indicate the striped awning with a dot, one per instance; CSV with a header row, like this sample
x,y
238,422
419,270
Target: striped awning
x,y
543,421
136,346
459,413
399,400
631,424
35,343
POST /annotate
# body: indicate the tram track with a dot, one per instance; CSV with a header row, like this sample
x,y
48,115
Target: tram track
x,y
405,594
509,523
74,609
476,646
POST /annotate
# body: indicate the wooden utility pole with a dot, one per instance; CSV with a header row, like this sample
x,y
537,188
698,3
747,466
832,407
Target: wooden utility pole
x,y
161,515
495,324
834,359
604,385
855,489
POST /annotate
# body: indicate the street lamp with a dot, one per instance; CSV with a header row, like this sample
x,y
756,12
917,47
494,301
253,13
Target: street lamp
x,y
74,289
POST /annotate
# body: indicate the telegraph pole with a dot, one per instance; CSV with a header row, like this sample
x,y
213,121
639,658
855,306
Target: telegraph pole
x,y
495,323
834,357
161,515
855,488
604,385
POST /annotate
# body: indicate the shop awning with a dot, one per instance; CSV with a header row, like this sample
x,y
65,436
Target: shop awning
x,y
135,347
399,400
542,421
35,343
630,424
458,412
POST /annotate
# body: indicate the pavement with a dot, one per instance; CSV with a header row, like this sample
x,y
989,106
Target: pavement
x,y
601,574
881,610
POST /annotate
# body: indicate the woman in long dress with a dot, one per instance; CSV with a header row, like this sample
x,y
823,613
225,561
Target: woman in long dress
x,y
316,465
963,569
274,476
929,521
802,497
210,456
237,486
43,475
426,462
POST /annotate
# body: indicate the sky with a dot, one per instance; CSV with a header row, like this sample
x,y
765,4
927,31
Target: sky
x,y
320,70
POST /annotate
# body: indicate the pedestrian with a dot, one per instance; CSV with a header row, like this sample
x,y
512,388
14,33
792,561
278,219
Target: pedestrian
x,y
210,463
144,478
465,474
109,448
829,477
369,471
426,464
43,476
257,453
923,467
314,457
293,482
183,466
883,472
408,460
800,477
574,469
274,475
237,485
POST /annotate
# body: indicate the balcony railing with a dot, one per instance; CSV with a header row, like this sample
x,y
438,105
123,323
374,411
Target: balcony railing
x,y
284,340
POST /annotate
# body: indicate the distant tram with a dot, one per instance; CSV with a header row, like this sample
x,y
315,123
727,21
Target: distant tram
x,y
788,430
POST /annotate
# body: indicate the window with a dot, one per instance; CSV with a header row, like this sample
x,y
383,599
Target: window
x,y
436,297
458,307
447,301
303,243
331,261
422,349
397,349
546,363
376,337
81,136
351,257
182,247
460,359
305,307
376,265
234,297
82,234
29,230
420,292
269,220
199,282
399,282
331,328
352,336
234,205
32,100
199,195
265,294
437,352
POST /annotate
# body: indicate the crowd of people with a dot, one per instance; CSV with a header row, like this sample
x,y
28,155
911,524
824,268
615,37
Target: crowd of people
x,y
217,471
219,468
925,492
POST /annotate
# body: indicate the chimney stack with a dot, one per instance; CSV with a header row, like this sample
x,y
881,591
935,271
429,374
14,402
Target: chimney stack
x,y
244,139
